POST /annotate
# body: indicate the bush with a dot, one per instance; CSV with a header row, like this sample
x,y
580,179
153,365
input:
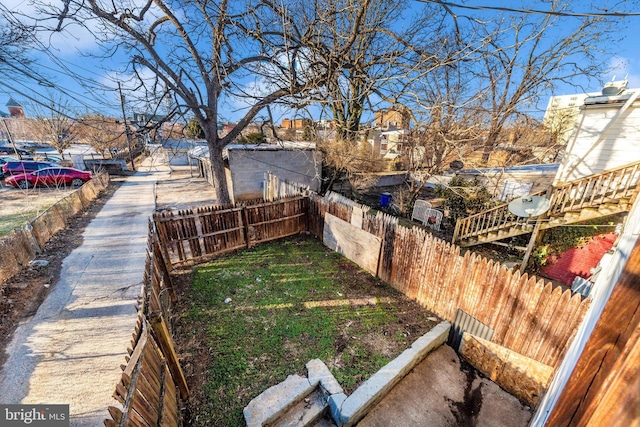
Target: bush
x,y
464,197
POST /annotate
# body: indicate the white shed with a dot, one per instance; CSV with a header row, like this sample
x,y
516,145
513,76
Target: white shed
x,y
246,165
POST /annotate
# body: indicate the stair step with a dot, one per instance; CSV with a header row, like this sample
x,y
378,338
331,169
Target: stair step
x,y
609,198
276,400
306,412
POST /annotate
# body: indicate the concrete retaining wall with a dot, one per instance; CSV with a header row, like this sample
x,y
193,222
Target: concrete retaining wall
x,y
271,406
19,247
16,251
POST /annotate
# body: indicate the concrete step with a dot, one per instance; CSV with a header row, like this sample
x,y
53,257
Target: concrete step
x,y
277,400
325,421
306,412
297,401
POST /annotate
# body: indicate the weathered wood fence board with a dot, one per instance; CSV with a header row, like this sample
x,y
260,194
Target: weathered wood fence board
x,y
146,391
528,316
352,242
604,387
152,381
196,235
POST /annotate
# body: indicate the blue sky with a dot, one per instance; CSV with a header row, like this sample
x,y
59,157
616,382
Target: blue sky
x,y
623,58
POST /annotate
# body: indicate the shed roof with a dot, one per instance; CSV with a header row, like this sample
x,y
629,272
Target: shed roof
x,y
203,150
529,169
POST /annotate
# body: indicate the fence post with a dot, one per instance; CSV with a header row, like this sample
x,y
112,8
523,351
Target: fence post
x,y
245,217
166,344
158,229
456,230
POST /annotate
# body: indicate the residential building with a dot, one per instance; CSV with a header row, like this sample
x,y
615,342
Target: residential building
x,y
15,109
16,123
392,143
562,111
608,134
298,124
396,117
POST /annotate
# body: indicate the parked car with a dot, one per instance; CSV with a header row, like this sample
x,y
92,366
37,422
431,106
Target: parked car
x,y
33,145
24,166
53,177
7,150
3,160
46,157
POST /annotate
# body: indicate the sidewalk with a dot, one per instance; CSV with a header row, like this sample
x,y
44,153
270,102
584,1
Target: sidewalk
x,y
70,352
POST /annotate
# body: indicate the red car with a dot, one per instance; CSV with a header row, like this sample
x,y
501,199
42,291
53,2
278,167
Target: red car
x,y
53,177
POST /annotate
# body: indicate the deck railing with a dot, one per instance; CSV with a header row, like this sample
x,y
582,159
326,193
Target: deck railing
x,y
605,187
597,189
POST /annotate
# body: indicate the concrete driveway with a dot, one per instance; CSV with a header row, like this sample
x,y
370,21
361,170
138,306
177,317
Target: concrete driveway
x,y
71,350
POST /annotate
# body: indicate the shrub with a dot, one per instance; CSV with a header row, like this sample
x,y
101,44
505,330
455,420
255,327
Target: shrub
x,y
464,197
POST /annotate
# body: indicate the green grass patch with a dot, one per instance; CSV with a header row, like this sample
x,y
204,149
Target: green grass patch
x,y
10,223
291,301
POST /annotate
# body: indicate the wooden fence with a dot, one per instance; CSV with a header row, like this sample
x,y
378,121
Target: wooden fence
x,y
604,388
196,235
152,381
274,189
529,316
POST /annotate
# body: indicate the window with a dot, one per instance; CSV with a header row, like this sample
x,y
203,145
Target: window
x,y
49,172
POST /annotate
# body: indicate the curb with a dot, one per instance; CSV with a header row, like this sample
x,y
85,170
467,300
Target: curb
x,y
274,402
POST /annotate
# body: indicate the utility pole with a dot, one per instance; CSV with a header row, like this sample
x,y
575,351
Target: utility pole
x,y
10,138
126,128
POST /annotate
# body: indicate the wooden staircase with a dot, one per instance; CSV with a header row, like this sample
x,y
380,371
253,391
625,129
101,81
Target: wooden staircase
x,y
595,196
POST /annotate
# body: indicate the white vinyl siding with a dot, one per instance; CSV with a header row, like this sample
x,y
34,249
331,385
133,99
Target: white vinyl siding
x,y
589,153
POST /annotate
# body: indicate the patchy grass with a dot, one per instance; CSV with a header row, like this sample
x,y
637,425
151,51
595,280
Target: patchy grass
x,y
291,301
20,206
10,223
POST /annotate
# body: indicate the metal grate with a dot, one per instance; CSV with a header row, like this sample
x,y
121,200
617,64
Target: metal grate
x,y
464,322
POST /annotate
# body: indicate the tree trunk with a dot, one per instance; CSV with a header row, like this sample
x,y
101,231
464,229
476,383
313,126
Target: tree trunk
x,y
219,175
489,145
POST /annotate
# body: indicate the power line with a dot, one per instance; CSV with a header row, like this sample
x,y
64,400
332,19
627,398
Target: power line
x,y
535,11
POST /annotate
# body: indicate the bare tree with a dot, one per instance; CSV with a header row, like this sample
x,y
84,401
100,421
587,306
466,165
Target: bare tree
x,y
104,134
371,50
525,54
208,54
349,160
560,123
54,125
447,124
14,38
